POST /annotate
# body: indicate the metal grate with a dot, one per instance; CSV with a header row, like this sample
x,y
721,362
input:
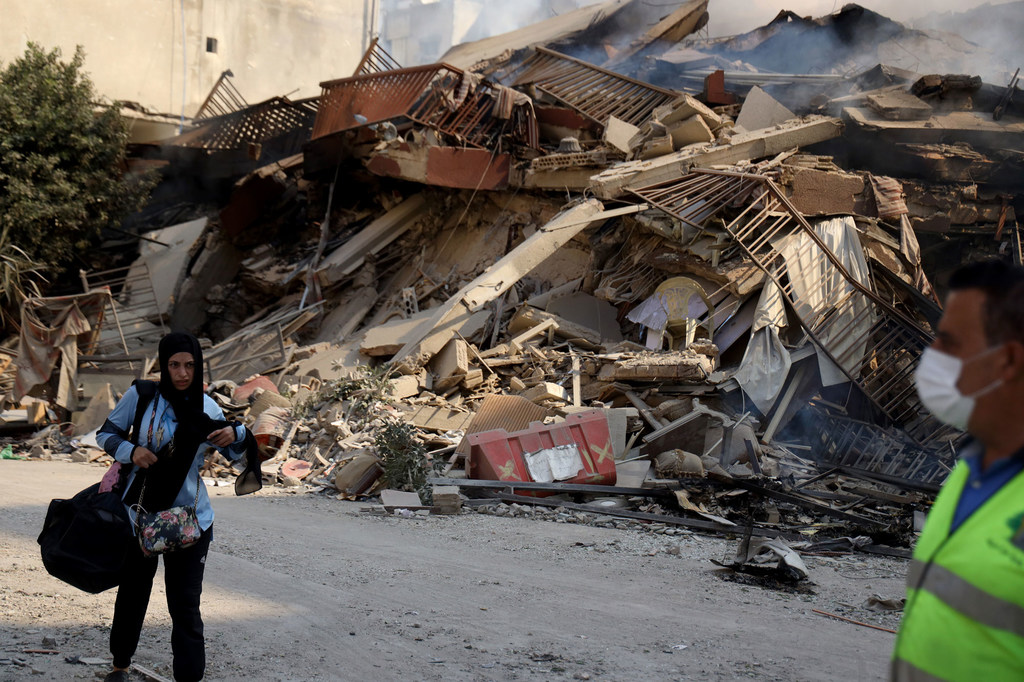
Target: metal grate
x,y
845,441
376,60
594,92
224,98
254,125
875,345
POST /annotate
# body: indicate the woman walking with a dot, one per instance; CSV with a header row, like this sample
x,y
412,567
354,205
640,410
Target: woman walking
x,y
179,424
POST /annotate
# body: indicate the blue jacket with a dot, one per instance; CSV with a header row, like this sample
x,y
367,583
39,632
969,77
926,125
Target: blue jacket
x,y
156,430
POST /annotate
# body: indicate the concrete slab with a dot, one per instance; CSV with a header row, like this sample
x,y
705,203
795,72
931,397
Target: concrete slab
x,y
613,182
761,110
899,105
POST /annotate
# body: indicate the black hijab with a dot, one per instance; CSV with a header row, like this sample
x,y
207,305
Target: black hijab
x,y
187,404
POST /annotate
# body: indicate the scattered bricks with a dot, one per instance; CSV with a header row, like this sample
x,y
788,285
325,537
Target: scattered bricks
x,y
817,192
450,365
447,499
680,366
546,391
405,386
691,131
473,379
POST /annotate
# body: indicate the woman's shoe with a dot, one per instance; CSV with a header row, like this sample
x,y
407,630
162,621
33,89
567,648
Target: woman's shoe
x,y
118,676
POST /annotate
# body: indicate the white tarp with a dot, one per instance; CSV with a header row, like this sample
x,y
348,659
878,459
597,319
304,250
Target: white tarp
x,y
766,362
821,293
554,464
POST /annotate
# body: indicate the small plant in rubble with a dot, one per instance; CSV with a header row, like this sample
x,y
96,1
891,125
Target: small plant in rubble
x,y
363,393
406,462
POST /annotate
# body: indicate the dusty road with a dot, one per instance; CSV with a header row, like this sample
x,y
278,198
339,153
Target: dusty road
x,y
303,587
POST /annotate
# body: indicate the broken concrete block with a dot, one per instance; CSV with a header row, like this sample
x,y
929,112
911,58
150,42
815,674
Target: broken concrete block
x,y
761,110
899,105
217,263
441,166
816,191
388,338
657,146
447,499
498,278
690,131
399,499
588,312
450,365
473,379
527,318
405,386
164,263
618,133
684,108
546,391
618,426
333,362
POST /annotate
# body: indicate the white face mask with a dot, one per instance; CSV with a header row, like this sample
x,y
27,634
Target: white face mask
x,y
936,378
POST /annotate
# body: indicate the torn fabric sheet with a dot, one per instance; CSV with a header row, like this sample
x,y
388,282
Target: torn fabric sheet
x,y
766,362
50,332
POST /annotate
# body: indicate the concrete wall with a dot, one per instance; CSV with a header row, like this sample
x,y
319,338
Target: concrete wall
x,y
134,47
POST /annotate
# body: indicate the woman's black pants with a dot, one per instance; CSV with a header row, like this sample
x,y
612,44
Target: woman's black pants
x,y
183,581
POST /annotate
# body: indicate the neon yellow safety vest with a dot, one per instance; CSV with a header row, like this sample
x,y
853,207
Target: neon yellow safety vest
x,y
964,617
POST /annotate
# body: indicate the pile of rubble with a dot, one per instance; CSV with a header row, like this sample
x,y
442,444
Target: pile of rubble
x,y
520,276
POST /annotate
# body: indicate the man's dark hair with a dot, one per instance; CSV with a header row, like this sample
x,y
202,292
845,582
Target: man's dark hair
x,y
1003,286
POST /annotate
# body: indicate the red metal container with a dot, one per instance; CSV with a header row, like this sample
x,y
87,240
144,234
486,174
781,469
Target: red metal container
x,y
552,451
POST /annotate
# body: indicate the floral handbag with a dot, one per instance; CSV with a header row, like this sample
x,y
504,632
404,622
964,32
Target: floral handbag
x,y
167,530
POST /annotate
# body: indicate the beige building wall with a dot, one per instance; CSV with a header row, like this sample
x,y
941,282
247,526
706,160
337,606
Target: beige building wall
x,y
134,48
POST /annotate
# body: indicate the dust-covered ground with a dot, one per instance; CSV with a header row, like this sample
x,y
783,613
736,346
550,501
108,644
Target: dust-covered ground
x,y
304,587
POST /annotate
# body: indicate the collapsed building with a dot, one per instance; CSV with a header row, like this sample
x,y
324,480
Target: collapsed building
x,y
671,274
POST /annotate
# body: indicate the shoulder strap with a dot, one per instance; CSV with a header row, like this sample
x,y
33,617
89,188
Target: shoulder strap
x,y
146,391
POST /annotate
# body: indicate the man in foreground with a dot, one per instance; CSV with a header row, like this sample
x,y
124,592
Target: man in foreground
x,y
964,618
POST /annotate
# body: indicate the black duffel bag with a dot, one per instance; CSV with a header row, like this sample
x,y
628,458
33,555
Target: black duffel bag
x,y
85,540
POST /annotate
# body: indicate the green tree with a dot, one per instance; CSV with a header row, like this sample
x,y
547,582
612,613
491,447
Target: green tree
x,y
62,159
